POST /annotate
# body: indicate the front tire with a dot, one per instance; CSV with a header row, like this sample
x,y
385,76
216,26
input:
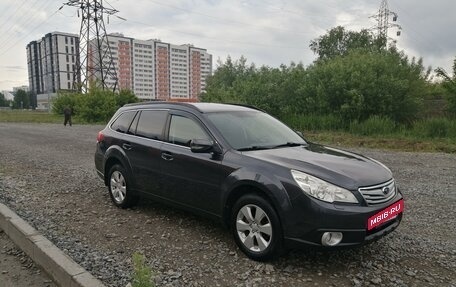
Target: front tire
x,y
256,228
119,187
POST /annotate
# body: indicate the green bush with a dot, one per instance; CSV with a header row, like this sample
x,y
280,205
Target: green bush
x,y
64,100
374,125
314,122
96,106
435,128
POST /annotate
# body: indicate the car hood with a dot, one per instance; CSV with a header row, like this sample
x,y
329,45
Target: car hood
x,y
342,168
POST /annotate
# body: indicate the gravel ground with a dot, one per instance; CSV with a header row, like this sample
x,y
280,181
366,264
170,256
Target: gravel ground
x,y
17,269
47,176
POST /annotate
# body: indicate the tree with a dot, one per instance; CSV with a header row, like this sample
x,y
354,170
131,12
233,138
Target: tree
x,y
449,84
21,100
338,42
361,84
3,101
224,84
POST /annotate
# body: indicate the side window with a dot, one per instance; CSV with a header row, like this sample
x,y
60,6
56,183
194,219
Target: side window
x,y
151,124
122,123
182,130
134,124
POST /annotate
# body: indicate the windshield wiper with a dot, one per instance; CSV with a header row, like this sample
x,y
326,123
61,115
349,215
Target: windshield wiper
x,y
289,144
254,147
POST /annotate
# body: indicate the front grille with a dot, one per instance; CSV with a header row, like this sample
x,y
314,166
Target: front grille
x,y
377,194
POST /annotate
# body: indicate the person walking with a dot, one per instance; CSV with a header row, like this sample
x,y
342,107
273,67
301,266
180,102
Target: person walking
x,y
67,113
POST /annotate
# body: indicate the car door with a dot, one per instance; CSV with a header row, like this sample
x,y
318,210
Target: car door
x,y
144,149
122,136
191,179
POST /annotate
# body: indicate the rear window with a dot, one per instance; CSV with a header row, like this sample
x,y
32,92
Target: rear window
x,y
151,124
122,123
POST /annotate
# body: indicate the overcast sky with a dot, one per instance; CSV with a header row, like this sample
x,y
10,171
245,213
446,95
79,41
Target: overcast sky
x,y
266,32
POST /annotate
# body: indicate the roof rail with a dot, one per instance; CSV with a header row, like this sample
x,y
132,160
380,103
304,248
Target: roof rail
x,y
152,101
247,106
157,102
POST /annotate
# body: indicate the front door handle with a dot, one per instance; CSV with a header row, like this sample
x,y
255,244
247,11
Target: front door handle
x,y
167,156
126,146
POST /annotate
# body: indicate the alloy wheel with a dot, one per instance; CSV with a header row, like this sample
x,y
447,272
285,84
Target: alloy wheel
x,y
254,228
118,186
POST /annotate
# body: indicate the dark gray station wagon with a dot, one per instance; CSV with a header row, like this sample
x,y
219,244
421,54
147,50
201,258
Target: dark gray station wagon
x,y
274,189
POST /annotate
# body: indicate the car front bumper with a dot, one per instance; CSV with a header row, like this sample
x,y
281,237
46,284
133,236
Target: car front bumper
x,y
311,218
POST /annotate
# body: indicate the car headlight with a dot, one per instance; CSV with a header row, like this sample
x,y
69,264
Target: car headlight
x,y
322,190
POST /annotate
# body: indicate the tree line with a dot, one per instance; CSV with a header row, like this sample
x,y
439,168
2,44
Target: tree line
x,y
356,76
21,100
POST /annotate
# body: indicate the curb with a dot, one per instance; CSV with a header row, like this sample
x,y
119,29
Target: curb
x,y
59,266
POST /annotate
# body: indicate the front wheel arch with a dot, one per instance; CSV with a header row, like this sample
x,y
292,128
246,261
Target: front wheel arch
x,y
238,192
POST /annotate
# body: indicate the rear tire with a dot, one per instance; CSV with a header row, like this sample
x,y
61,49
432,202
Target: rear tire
x,y
119,187
256,228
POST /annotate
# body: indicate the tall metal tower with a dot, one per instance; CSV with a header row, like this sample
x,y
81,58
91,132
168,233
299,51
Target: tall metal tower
x,y
96,65
383,22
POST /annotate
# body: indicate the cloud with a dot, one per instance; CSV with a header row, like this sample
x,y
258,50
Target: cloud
x,y
267,32
13,68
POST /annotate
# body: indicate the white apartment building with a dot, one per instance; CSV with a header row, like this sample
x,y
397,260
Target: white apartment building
x,y
143,69
179,72
52,65
153,69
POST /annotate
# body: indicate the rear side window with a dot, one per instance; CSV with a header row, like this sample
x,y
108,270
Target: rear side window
x,y
151,124
122,123
182,130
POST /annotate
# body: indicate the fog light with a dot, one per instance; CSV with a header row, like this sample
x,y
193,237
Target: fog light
x,y
331,238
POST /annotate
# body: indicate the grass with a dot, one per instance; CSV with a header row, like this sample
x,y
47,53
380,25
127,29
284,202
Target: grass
x,y
25,116
425,135
28,116
142,274
390,142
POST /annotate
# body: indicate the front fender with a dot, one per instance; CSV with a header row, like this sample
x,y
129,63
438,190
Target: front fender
x,y
270,185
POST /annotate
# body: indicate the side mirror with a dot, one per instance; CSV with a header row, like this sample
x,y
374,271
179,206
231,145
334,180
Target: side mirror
x,y
201,146
300,134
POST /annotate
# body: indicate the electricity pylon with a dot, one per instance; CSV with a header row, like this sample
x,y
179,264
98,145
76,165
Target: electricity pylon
x,y
95,64
383,22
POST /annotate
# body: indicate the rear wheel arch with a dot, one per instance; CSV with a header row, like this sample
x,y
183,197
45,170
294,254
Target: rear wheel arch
x,y
113,157
108,165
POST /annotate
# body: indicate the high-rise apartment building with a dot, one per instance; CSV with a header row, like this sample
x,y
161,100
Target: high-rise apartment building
x,y
153,69
52,64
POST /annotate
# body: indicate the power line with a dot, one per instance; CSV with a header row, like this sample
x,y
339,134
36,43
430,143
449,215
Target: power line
x,y
31,31
229,20
417,32
218,39
24,21
14,13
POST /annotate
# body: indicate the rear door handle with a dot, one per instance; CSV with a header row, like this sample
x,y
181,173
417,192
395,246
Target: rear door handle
x,y
167,156
126,146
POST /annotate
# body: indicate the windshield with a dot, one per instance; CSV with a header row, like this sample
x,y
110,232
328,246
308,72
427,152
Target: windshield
x,y
250,130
